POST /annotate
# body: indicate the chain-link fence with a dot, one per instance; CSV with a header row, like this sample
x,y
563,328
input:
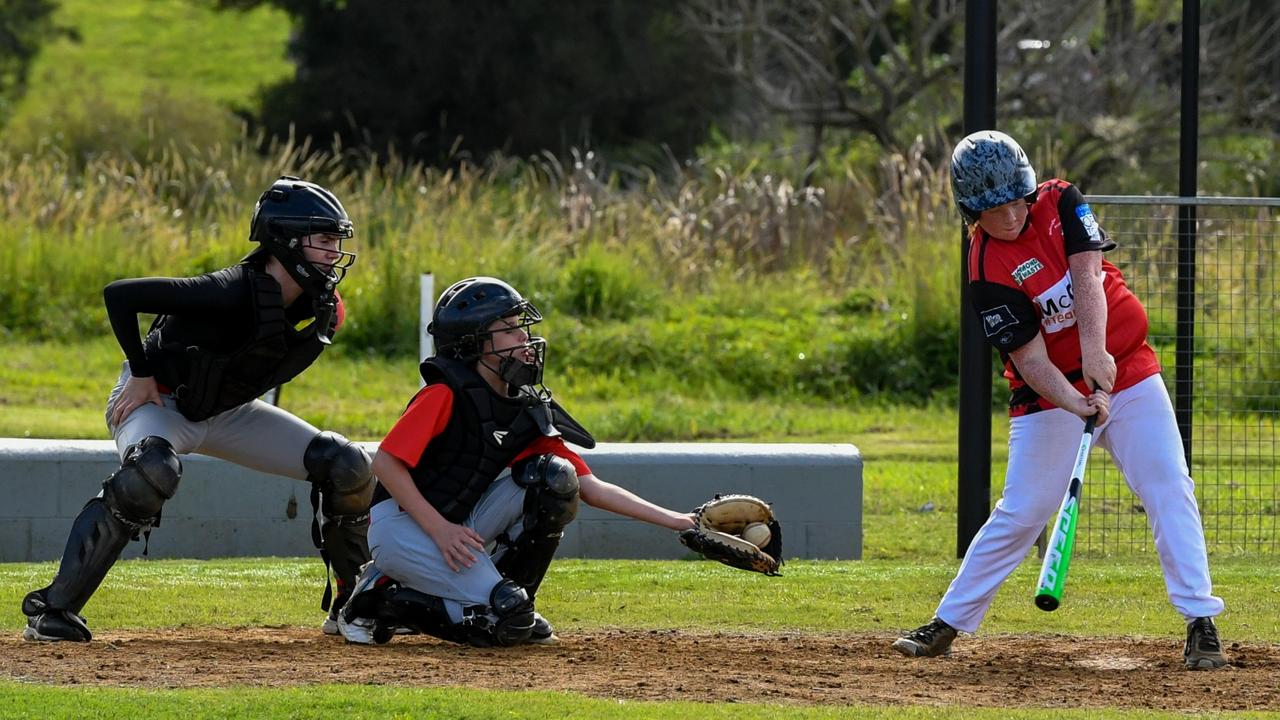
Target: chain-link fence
x,y
1224,373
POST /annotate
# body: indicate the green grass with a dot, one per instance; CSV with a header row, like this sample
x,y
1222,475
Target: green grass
x,y
582,595
58,390
330,701
1112,597
185,48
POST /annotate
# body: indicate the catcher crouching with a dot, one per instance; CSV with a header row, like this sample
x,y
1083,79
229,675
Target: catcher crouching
x,y
476,485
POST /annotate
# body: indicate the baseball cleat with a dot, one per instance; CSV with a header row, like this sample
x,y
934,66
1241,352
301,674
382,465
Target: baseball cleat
x,y
1203,650
931,640
361,631
543,633
330,625
56,626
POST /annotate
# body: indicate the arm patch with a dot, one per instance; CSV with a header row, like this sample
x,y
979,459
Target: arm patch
x,y
1080,229
1009,319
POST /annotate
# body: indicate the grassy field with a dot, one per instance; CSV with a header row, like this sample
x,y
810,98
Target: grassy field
x,y
880,596
724,306
818,596
329,701
158,68
57,390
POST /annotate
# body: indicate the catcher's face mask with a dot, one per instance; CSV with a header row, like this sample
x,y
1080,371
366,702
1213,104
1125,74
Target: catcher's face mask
x,y
520,357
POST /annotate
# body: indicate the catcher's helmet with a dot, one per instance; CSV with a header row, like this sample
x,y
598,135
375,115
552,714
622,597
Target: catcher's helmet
x,y
989,169
464,312
290,210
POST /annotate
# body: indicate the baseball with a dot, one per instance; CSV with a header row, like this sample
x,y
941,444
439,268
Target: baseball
x,y
757,534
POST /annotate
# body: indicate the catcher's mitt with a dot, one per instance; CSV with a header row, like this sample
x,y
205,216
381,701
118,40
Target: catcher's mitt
x,y
721,522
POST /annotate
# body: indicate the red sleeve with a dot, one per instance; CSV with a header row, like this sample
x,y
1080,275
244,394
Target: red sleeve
x,y
554,446
425,418
342,310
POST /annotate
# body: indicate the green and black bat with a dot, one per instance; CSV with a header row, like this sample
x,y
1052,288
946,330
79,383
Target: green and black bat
x,y
1053,574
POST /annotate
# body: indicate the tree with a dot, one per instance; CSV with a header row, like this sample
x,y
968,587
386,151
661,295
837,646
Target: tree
x,y
860,65
24,25
1098,81
433,78
1103,83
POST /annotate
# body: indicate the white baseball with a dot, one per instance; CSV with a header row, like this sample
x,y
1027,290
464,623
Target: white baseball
x,y
757,534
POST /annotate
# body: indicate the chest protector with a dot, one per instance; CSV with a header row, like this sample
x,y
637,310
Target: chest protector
x,y
275,354
484,434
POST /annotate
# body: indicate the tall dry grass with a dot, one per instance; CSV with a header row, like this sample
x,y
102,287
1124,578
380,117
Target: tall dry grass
x,y
592,239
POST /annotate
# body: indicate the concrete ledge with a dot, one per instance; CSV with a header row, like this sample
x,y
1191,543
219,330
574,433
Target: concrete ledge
x,y
224,510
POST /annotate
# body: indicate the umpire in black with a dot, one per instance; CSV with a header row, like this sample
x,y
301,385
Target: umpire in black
x,y
218,342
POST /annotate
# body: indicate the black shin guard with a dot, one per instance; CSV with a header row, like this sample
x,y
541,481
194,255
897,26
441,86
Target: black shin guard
x,y
550,504
96,541
341,488
130,502
400,606
346,546
512,621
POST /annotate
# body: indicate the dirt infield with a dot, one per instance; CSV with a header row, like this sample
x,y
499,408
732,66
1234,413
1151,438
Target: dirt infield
x,y
792,668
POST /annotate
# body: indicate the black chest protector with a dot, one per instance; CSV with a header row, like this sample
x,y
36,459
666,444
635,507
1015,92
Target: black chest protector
x,y
216,382
484,434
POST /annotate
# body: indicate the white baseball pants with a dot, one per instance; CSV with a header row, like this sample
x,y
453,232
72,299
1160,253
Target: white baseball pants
x,y
1142,437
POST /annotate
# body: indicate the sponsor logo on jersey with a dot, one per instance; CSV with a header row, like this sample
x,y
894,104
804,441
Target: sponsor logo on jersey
x,y
1026,270
1089,221
1057,306
499,436
997,319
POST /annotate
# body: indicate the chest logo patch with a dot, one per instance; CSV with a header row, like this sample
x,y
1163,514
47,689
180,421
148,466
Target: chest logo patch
x,y
499,436
1026,270
1057,306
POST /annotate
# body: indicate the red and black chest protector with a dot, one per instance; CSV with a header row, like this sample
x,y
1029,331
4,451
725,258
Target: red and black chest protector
x,y
274,354
484,435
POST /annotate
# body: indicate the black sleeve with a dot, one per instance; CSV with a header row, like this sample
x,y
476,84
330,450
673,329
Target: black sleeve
x,y
1009,318
1080,228
162,296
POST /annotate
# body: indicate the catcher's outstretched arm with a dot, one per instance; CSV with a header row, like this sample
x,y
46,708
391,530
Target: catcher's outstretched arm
x,y
621,501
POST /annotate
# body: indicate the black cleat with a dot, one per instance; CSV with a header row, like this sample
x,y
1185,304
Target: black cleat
x,y
543,633
1203,650
56,626
929,640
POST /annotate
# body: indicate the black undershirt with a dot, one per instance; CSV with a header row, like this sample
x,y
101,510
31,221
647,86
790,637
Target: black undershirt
x,y
213,312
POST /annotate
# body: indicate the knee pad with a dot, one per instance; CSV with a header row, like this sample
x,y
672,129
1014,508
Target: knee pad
x,y
342,470
551,494
146,479
513,610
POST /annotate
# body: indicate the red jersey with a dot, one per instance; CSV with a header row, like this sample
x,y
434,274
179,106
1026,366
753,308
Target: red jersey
x,y
1023,287
427,416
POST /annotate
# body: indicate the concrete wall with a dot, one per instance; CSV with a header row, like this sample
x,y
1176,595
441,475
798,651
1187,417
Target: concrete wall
x,y
224,510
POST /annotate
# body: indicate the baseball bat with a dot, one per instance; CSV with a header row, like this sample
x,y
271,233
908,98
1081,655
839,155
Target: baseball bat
x,y
1053,573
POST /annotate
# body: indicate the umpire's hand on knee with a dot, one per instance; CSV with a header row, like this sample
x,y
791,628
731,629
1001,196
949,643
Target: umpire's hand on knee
x,y
137,391
456,543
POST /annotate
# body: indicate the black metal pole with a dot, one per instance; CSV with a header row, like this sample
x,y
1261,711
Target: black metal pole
x,y
1188,155
973,496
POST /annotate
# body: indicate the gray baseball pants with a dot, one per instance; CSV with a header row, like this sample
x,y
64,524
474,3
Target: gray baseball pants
x,y
257,435
402,549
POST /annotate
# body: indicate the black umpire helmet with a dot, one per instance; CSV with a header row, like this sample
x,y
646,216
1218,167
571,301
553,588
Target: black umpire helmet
x,y
464,312
290,210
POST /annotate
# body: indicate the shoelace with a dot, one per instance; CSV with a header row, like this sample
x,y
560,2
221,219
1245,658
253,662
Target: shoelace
x,y
928,633
1208,636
